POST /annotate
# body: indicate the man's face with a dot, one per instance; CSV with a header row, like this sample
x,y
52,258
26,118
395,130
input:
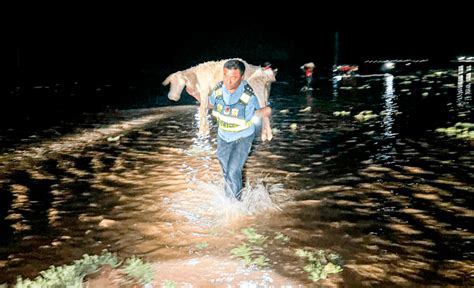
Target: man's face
x,y
232,79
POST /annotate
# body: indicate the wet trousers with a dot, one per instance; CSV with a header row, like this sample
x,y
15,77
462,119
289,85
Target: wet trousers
x,y
232,157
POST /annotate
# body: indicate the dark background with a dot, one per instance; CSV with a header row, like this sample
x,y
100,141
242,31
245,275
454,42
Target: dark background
x,y
120,66
175,50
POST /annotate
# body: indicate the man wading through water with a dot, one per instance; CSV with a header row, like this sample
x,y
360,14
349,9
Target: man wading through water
x,y
234,104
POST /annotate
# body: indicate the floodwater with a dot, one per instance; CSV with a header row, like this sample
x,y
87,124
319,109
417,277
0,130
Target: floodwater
x,y
391,196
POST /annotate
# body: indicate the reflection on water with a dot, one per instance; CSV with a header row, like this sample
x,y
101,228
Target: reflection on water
x,y
335,86
464,96
389,112
390,106
389,195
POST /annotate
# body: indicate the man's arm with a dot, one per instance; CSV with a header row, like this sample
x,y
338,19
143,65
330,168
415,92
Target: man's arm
x,y
264,112
211,99
259,111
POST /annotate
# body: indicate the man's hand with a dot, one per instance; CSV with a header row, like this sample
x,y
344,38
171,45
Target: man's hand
x,y
264,112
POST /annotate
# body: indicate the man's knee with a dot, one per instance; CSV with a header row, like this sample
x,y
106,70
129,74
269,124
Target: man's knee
x,y
234,175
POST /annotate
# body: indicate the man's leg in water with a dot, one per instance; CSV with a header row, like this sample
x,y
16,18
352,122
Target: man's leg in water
x,y
237,159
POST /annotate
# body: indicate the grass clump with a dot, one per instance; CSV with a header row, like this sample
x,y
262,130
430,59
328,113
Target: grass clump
x,y
251,251
137,269
320,263
72,276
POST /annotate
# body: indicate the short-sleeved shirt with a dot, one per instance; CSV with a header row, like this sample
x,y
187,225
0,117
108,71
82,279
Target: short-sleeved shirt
x,y
230,99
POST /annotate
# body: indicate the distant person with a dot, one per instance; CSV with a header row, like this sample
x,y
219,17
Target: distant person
x,y
308,69
234,104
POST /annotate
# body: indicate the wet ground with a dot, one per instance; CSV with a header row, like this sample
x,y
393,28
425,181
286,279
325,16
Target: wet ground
x,y
390,195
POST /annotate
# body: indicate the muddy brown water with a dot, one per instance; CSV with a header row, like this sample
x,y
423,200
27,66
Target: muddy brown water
x,y
390,195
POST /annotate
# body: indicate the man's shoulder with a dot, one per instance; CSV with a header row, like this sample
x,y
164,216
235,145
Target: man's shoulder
x,y
248,89
247,94
217,90
218,85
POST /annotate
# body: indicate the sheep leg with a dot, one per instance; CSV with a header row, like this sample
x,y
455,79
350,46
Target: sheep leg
x,y
266,129
203,111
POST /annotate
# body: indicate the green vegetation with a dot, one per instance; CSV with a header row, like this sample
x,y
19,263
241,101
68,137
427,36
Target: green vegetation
x,y
365,116
247,253
281,237
202,246
139,270
73,275
169,284
461,130
341,113
253,237
320,263
251,252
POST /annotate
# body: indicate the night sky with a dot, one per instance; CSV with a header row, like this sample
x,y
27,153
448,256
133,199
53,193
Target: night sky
x,y
168,48
144,53
177,35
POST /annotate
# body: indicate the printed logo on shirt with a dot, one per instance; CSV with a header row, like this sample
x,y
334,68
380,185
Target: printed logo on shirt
x,y
219,108
227,110
234,112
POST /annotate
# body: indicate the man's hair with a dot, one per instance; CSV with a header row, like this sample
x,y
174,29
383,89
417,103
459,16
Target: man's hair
x,y
235,64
